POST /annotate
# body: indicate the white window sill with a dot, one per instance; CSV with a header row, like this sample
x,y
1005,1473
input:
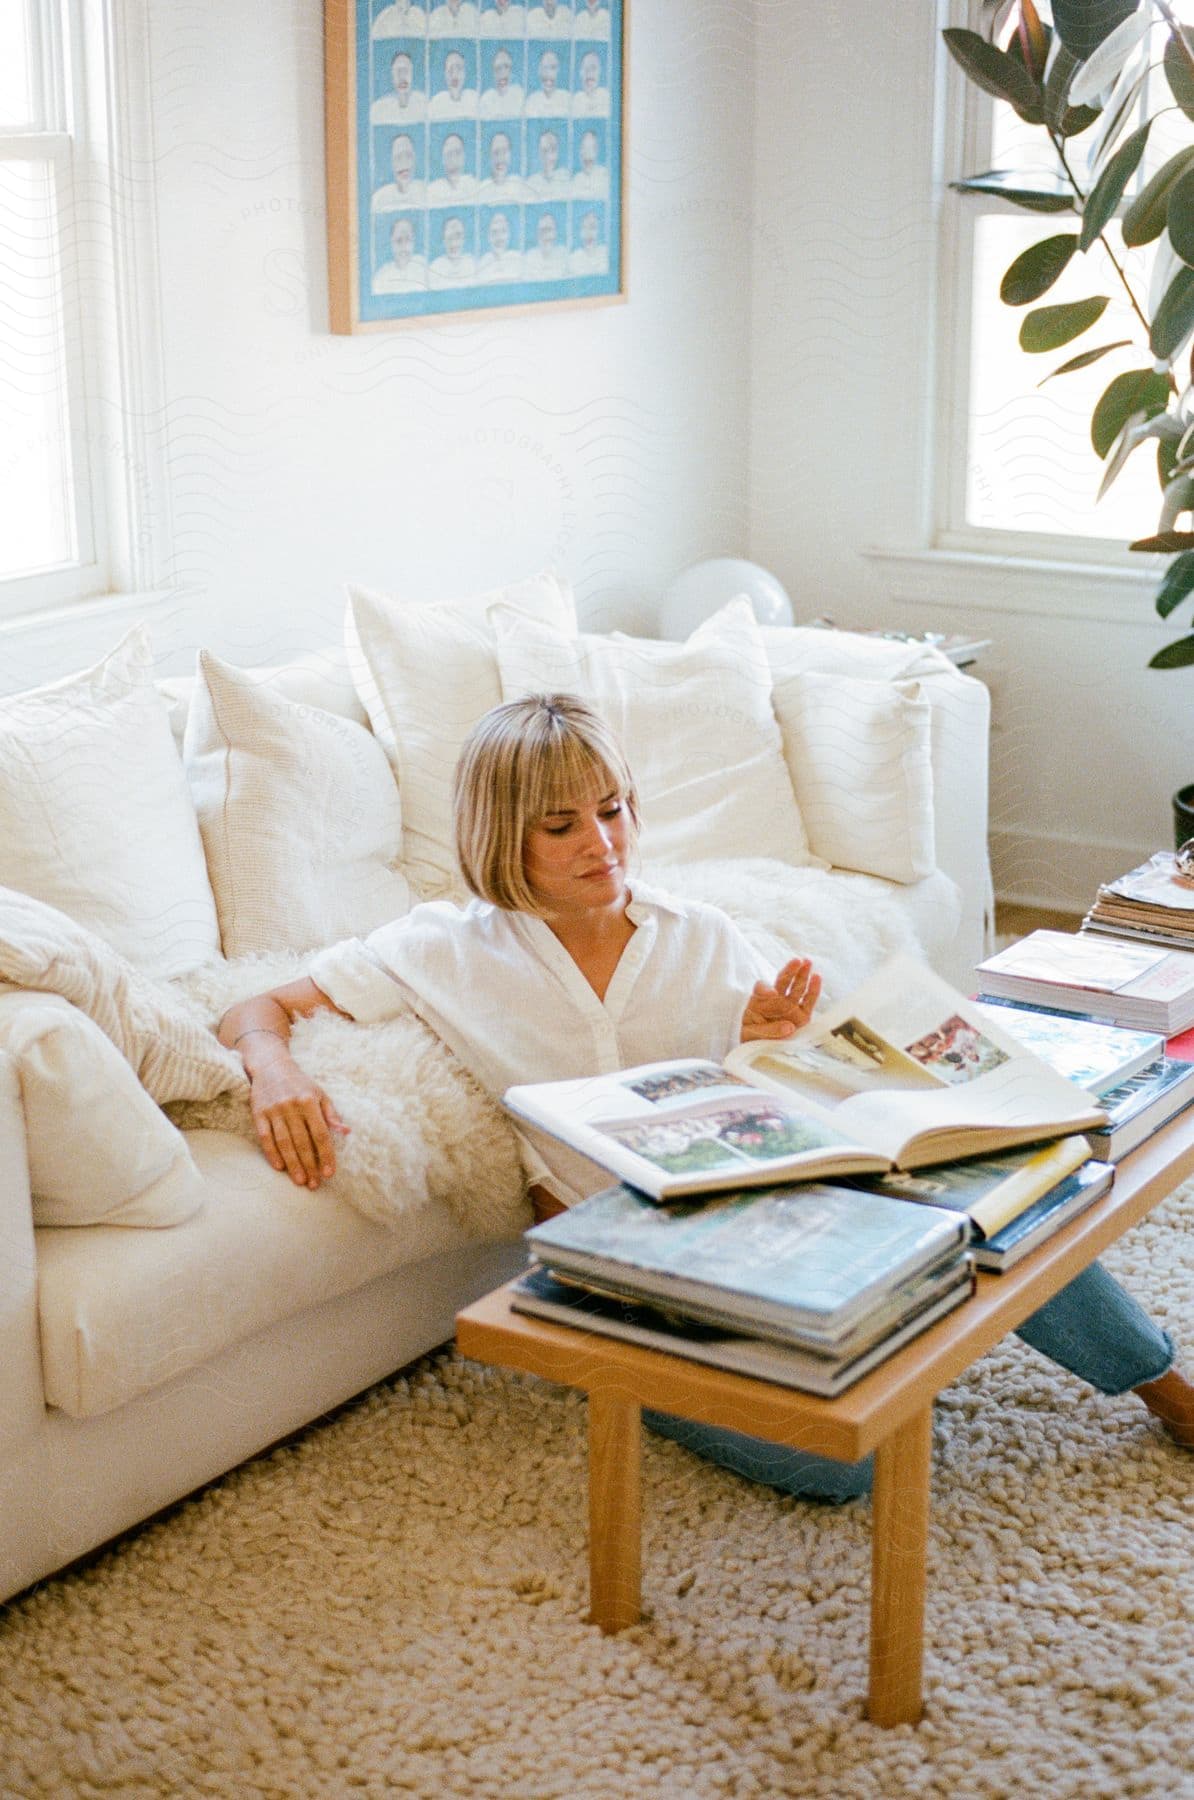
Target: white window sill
x,y
964,580
45,646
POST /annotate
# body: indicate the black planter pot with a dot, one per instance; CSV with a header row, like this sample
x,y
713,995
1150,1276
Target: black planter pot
x,y
1183,815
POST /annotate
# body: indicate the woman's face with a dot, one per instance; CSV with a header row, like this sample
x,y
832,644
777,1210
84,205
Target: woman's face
x,y
575,859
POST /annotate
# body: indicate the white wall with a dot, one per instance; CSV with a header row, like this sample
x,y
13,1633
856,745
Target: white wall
x,y
1088,744
609,440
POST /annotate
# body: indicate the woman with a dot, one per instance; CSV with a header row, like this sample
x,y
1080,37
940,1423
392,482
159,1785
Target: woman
x,y
565,965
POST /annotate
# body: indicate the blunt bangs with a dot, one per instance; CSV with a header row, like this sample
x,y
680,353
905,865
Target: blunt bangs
x,y
522,762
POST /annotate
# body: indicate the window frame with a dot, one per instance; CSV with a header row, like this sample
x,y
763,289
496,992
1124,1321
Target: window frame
x,y
92,90
967,133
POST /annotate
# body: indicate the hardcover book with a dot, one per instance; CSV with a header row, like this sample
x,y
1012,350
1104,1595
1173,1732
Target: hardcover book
x,y
1145,986
1002,1235
990,1190
905,1072
1141,1106
544,1296
809,1263
1094,1055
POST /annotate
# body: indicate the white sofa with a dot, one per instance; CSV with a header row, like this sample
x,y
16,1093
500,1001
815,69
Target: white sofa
x,y
139,1364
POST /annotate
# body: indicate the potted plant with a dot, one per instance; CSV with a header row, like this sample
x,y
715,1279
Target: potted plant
x,y
1080,78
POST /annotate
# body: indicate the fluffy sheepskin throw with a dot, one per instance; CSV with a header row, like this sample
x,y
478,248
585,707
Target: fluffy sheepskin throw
x,y
421,1127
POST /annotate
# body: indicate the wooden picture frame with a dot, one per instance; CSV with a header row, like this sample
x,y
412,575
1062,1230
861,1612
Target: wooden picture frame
x,y
475,157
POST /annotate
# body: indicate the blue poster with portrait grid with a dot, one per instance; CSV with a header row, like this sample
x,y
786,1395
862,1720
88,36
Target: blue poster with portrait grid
x,y
489,154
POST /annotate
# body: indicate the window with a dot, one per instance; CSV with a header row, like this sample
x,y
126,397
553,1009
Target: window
x,y
74,481
1029,468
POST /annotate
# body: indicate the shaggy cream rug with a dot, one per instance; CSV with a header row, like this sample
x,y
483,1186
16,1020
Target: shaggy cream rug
x,y
393,1603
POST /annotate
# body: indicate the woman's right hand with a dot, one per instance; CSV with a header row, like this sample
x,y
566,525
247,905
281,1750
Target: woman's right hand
x,y
295,1119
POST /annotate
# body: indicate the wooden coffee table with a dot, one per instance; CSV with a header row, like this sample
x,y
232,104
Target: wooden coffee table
x,y
889,1411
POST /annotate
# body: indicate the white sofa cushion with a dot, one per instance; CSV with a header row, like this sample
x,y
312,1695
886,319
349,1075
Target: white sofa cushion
x,y
95,816
299,813
122,1312
695,721
175,1056
860,757
100,1151
425,672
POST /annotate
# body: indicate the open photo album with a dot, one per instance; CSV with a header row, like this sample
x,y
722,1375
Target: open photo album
x,y
903,1073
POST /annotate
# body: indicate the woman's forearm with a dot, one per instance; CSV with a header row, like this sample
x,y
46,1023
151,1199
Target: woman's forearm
x,y
258,1029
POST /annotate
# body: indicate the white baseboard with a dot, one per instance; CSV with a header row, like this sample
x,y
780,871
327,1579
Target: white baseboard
x,y
1061,874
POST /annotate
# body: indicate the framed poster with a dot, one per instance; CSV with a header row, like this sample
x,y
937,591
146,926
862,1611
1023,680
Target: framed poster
x,y
475,156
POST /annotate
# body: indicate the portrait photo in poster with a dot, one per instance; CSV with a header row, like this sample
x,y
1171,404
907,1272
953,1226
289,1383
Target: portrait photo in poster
x,y
475,156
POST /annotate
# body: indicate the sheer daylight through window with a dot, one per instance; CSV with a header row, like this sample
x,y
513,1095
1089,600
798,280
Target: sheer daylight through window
x,y
1099,130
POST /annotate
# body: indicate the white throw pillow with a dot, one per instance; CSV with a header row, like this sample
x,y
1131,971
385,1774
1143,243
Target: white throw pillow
x,y
100,1151
426,671
694,720
299,812
95,815
173,1053
860,757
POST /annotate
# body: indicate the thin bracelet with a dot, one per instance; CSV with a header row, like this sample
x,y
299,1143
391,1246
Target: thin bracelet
x,y
256,1031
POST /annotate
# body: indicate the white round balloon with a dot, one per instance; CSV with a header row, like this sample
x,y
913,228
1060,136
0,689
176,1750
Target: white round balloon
x,y
697,592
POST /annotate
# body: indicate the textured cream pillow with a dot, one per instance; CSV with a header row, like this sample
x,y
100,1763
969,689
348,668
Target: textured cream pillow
x,y
95,816
694,720
860,757
425,672
172,1052
299,813
100,1151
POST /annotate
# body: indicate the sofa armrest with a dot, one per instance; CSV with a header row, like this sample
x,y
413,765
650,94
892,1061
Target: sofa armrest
x,y
22,1405
961,722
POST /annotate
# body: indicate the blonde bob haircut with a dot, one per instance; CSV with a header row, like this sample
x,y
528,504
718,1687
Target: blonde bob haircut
x,y
522,762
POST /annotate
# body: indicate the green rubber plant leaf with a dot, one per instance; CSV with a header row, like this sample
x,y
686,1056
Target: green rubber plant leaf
x,y
1108,190
1032,39
1058,81
1173,320
1146,216
1102,71
1179,215
1178,582
996,72
1084,361
1037,268
1083,24
1166,542
1167,461
1018,189
1051,326
1077,119
1179,72
1140,391
1174,656
1178,498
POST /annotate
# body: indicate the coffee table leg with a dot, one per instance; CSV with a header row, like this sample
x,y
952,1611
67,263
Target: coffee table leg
x,y
899,1540
615,1502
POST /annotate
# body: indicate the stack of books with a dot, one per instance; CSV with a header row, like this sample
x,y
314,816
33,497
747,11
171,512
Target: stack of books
x,y
1141,1084
1142,985
807,1285
1154,902
812,1283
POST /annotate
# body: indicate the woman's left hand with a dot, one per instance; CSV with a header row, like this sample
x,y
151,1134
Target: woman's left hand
x,y
778,1010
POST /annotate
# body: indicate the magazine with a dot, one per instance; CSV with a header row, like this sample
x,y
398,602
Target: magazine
x,y
905,1072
